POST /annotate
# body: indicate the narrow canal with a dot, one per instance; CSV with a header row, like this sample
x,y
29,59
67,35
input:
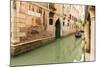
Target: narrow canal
x,y
62,50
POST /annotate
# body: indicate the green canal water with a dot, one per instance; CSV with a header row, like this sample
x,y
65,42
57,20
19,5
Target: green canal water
x,y
62,50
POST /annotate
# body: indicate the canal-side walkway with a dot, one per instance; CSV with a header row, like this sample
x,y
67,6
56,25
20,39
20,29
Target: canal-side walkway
x,y
62,50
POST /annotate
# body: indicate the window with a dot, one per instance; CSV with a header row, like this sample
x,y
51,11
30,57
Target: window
x,y
14,4
51,14
32,8
40,10
63,23
69,17
50,21
37,10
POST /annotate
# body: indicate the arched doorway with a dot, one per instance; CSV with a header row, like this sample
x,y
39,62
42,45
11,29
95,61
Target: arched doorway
x,y
57,29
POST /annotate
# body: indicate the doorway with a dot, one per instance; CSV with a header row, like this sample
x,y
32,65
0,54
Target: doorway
x,y
57,29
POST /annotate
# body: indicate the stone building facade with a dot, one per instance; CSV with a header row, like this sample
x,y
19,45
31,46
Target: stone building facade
x,y
25,17
29,19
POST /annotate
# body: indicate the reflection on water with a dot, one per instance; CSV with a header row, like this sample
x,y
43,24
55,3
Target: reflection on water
x,y
62,50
